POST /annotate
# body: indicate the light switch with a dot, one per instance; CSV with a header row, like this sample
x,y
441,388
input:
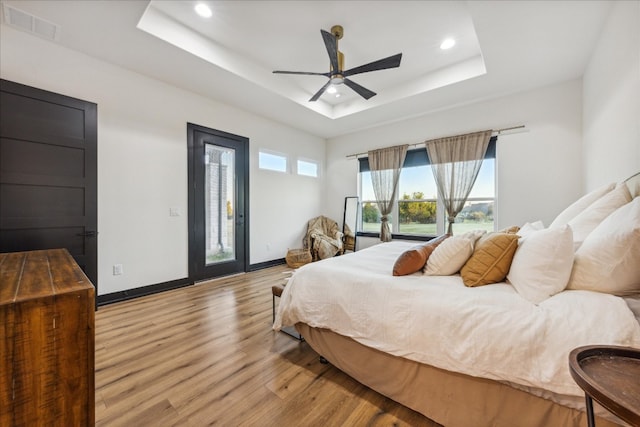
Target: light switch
x,y
117,269
174,211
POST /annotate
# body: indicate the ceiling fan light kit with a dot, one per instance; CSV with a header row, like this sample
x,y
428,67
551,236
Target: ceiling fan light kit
x,y
337,75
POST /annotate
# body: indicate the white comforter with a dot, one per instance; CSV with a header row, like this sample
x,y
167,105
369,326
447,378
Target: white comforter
x,y
488,332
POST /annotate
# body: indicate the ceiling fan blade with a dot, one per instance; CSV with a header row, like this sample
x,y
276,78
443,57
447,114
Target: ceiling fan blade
x,y
305,73
332,48
362,91
320,92
381,64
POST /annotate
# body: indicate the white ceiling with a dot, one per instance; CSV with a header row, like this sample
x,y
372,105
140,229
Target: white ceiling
x,y
502,47
290,39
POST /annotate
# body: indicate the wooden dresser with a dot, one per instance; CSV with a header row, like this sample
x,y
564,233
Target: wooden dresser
x,y
46,340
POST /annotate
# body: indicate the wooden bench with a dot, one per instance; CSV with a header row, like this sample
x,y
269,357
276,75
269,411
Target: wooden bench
x,y
276,291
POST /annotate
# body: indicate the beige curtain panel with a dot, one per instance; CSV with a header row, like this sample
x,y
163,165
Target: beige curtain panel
x,y
385,166
455,163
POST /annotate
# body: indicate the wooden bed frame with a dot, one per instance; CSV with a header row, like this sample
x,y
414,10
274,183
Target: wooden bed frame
x,y
449,398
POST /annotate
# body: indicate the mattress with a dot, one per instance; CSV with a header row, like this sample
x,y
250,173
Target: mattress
x,y
489,332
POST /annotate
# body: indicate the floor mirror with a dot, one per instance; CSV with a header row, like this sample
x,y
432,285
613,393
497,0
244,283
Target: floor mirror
x,y
350,222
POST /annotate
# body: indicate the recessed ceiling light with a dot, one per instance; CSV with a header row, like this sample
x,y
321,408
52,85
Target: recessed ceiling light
x,y
331,89
203,10
338,95
447,44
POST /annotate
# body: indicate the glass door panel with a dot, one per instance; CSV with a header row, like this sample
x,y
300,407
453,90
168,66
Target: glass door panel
x,y
219,206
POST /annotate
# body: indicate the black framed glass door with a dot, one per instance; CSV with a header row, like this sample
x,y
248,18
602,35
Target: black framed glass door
x,y
218,203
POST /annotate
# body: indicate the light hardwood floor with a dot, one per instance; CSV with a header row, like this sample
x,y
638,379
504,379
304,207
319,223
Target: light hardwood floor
x,y
206,355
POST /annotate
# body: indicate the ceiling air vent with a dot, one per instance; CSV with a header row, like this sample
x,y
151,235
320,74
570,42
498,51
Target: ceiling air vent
x,y
31,24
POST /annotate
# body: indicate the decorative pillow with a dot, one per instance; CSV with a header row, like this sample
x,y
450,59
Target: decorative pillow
x,y
452,254
491,259
511,230
414,259
580,205
585,222
609,259
529,228
542,263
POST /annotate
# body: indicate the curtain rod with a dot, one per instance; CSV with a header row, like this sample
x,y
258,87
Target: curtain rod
x,y
494,133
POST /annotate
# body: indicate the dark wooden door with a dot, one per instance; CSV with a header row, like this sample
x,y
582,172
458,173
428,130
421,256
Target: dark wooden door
x,y
218,203
48,174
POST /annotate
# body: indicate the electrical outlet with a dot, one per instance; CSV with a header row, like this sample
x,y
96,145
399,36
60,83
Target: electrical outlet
x,y
117,269
174,211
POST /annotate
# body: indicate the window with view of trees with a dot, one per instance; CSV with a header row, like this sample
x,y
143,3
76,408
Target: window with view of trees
x,y
417,210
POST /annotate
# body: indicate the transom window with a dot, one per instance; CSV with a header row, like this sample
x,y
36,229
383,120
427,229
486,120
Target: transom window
x,y
272,161
308,168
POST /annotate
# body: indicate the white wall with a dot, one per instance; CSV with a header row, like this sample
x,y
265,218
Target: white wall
x,y
142,162
612,99
538,171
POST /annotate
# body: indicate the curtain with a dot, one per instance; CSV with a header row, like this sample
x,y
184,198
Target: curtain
x,y
455,163
385,165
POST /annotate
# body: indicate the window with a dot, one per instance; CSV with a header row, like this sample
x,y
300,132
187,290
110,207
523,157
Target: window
x,y
272,161
417,210
417,204
307,168
478,209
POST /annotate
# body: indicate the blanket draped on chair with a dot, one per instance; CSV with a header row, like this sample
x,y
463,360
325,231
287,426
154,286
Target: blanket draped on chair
x,y
323,238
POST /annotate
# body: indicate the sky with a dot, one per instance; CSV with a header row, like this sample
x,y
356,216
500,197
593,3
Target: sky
x,y
420,178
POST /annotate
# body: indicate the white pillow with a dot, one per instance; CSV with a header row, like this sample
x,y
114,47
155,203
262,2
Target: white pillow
x,y
530,227
609,259
542,263
585,222
580,205
450,255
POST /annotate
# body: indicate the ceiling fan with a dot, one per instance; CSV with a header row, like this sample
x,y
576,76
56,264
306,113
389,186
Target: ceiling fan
x,y
336,73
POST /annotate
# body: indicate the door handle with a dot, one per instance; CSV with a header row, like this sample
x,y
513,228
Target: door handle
x,y
88,234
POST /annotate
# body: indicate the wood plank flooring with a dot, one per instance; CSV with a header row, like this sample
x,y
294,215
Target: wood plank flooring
x,y
206,355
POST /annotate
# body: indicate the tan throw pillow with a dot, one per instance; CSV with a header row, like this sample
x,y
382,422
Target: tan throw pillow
x,y
511,230
414,259
491,259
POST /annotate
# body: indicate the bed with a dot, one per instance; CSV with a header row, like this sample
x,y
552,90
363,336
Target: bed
x,y
481,356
